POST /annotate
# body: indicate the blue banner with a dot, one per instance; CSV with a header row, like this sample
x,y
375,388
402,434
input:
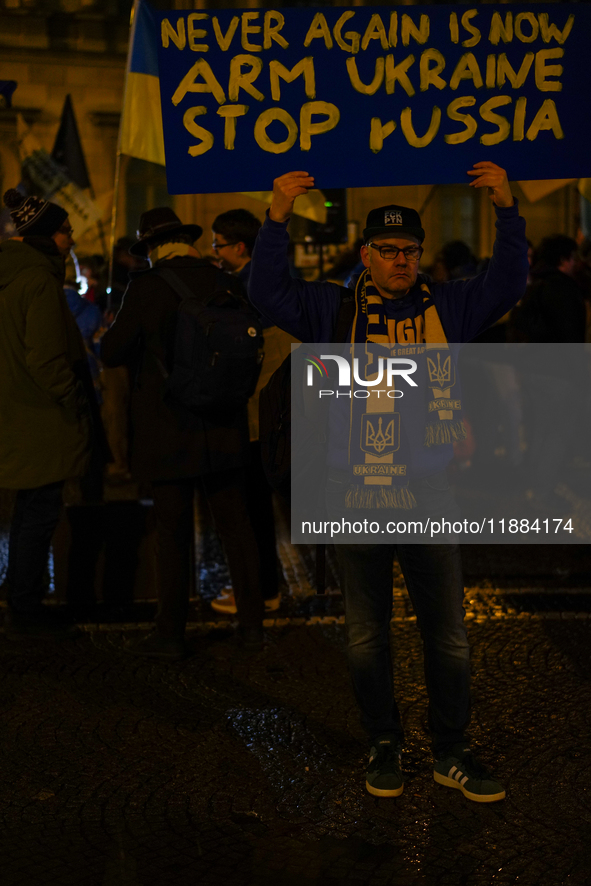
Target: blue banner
x,y
373,96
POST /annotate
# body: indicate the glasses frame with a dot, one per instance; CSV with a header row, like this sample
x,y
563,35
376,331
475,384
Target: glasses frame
x,y
398,251
217,246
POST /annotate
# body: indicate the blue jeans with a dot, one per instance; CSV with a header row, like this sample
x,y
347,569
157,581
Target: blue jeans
x,y
433,575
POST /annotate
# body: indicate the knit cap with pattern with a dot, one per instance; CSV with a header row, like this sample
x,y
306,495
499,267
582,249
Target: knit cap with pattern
x,y
34,216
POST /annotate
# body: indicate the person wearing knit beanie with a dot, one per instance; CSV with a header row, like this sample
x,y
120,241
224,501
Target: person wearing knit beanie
x,y
47,404
36,217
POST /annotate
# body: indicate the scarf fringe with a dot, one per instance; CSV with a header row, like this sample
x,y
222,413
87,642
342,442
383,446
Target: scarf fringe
x,y
379,497
441,432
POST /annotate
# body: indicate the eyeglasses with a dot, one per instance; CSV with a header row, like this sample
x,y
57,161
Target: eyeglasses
x,y
389,253
215,245
66,229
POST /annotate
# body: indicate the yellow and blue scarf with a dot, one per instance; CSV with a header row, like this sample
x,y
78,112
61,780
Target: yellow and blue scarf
x,y
382,430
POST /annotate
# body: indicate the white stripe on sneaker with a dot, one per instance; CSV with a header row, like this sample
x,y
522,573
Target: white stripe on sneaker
x,y
458,775
464,780
451,771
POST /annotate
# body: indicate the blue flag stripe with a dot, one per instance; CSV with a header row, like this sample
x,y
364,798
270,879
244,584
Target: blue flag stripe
x,y
144,52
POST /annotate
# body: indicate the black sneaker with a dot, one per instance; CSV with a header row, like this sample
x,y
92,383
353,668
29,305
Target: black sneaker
x,y
460,769
383,777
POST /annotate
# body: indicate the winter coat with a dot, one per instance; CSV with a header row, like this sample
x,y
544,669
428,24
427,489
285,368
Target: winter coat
x,y
166,443
552,309
44,416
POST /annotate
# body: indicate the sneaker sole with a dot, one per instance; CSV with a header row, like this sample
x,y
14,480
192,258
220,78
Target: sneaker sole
x,y
225,610
160,656
271,606
381,792
478,798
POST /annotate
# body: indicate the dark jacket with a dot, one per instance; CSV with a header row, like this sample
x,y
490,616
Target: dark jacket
x,y
45,426
309,310
167,443
552,309
466,307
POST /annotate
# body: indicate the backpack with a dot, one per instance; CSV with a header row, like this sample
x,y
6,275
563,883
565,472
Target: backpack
x,y
275,409
218,348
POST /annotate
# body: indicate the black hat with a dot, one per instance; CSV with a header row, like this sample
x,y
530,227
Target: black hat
x,y
34,216
158,224
393,220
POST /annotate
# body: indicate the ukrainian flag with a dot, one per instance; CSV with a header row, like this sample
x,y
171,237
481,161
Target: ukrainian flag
x,y
141,121
141,133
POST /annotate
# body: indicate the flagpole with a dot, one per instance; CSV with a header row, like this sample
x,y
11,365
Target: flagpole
x,y
118,163
99,224
113,223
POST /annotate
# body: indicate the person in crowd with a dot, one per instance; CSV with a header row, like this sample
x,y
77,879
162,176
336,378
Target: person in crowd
x,y
553,310
88,316
234,236
454,261
553,307
174,449
348,264
94,270
451,312
124,264
45,414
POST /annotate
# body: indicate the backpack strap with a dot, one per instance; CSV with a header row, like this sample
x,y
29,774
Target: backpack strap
x,y
175,282
184,292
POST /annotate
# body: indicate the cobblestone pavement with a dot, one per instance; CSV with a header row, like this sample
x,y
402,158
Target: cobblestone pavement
x,y
249,771
235,770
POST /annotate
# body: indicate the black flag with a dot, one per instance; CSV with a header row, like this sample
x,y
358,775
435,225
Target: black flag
x,y
67,150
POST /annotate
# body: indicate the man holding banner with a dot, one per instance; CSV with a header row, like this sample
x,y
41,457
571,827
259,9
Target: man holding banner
x,y
405,309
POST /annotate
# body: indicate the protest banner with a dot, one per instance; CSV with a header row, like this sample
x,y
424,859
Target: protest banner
x,y
373,95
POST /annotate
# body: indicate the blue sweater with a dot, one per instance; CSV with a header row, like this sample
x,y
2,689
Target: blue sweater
x,y
308,311
466,308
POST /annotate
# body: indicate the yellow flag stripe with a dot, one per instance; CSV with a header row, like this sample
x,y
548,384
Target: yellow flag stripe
x,y
141,124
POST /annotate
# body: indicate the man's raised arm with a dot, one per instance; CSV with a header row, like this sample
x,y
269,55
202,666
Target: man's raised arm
x,y
305,310
489,175
468,307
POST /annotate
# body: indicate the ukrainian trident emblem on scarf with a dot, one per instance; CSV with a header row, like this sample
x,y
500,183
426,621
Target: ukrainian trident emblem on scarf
x,y
380,433
440,374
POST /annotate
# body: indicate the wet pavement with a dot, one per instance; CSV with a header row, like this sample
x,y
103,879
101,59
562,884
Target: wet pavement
x,y
249,770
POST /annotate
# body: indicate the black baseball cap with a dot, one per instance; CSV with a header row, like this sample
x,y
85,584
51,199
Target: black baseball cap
x,y
393,220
